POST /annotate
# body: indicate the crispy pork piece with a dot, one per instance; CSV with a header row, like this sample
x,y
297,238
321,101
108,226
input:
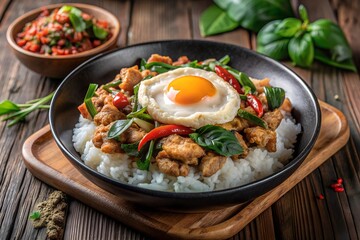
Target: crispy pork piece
x,y
171,167
211,163
182,149
181,60
260,84
273,118
134,134
243,144
108,114
286,106
147,72
101,141
237,124
103,97
129,78
262,137
158,58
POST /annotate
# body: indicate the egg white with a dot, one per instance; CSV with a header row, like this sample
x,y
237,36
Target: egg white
x,y
217,109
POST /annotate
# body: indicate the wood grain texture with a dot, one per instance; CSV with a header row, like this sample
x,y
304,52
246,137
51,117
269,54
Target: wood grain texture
x,y
335,217
45,161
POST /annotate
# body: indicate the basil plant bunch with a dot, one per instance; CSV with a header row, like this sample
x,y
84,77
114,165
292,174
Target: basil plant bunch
x,y
303,41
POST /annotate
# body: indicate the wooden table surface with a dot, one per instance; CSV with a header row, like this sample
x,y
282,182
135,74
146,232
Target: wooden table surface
x,y
297,215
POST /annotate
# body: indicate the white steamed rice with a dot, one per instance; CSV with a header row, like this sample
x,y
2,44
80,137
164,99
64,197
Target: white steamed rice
x,y
258,164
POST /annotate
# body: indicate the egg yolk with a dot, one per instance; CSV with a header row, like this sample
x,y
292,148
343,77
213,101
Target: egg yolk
x,y
189,89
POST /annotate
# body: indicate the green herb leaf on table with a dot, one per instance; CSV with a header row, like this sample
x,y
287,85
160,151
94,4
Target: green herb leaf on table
x,y
214,20
275,97
8,106
272,44
35,215
301,50
303,14
325,57
254,14
288,27
217,139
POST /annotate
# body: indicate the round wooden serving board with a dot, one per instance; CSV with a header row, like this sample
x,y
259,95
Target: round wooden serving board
x,y
45,161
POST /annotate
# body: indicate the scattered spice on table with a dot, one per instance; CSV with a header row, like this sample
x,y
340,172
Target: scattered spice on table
x,y
336,97
51,214
321,197
338,186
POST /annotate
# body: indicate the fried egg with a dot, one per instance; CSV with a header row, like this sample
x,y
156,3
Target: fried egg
x,y
190,97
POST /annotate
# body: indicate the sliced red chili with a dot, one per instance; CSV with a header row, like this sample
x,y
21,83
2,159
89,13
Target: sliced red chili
x,y
339,189
228,77
120,100
255,104
321,197
164,131
340,181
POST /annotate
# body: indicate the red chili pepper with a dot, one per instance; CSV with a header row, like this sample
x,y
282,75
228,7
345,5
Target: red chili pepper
x,y
164,131
228,77
339,189
255,103
120,100
340,181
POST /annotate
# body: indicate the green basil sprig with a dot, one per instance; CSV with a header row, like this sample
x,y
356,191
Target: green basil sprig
x,y
217,139
227,15
275,97
214,20
303,42
119,127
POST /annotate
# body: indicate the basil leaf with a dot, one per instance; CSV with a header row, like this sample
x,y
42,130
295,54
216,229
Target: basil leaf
x,y
214,20
275,97
77,22
254,14
252,118
35,215
8,106
130,149
140,114
65,8
272,44
303,13
99,32
288,27
326,34
301,50
246,82
217,139
144,162
340,53
325,57
119,127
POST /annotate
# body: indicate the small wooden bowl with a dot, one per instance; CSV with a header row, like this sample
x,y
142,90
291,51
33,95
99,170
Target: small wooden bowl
x,y
60,66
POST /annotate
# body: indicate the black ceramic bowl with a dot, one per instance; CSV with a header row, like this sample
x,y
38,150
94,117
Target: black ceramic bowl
x,y
103,68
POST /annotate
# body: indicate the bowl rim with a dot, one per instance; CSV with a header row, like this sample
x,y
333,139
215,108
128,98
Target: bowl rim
x,y
35,12
189,195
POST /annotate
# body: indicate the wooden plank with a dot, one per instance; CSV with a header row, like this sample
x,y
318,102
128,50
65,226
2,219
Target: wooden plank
x,y
158,20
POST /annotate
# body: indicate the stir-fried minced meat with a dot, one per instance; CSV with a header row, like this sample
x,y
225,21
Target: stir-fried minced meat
x,y
262,137
260,84
181,60
273,118
133,134
243,144
159,58
102,98
171,167
237,124
129,78
108,114
182,149
101,141
286,106
211,163
146,72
